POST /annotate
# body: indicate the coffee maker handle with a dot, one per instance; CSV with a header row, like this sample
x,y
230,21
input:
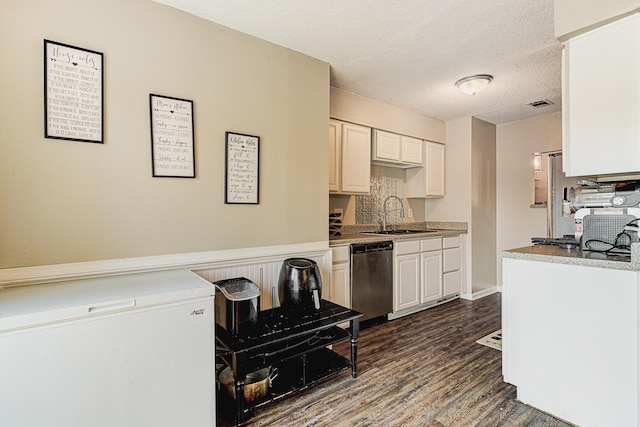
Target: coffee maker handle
x,y
316,299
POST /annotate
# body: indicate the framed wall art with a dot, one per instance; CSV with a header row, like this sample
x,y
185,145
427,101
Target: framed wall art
x,y
73,93
172,149
242,158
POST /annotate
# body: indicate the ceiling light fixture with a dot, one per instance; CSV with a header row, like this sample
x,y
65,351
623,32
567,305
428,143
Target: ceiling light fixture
x,y
474,84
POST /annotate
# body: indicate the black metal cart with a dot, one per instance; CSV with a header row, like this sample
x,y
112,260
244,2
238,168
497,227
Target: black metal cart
x,y
295,342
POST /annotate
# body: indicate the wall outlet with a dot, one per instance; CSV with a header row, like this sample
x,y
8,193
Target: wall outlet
x,y
410,213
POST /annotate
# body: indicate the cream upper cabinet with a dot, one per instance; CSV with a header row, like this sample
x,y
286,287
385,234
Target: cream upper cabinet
x,y
429,180
385,146
601,100
391,149
349,158
335,161
411,150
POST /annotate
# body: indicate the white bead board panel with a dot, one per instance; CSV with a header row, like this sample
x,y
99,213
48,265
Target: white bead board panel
x,y
265,274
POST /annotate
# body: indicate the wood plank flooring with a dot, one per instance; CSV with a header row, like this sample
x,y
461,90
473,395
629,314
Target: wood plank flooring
x,y
421,370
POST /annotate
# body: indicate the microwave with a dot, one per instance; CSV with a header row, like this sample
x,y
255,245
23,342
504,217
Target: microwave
x,y
603,229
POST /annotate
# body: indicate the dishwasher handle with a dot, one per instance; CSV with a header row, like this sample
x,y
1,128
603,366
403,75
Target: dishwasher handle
x,y
360,248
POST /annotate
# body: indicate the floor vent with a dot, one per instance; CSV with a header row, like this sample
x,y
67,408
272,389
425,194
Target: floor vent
x,y
541,103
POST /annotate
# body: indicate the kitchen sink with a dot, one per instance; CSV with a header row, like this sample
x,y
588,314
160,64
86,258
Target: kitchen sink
x,y
400,232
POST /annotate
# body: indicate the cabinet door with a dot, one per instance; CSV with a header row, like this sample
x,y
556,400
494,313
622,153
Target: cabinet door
x,y
411,150
601,100
385,146
334,155
340,285
452,283
407,281
434,169
356,158
431,276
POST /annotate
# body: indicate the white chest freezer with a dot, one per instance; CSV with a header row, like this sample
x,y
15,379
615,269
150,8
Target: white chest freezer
x,y
129,350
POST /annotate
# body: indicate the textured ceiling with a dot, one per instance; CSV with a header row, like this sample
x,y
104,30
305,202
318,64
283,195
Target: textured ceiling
x,y
410,53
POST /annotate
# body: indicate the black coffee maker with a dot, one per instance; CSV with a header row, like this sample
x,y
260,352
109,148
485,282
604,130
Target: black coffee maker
x,y
300,284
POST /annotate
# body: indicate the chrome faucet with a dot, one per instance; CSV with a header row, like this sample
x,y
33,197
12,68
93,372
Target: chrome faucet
x,y
384,208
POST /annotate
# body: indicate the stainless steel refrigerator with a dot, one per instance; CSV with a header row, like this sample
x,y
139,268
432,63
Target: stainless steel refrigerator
x,y
553,189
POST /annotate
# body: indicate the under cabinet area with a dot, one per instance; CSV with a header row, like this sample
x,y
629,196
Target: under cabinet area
x,y
349,158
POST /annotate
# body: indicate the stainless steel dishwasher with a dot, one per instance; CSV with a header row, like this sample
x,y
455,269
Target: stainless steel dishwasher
x,y
372,278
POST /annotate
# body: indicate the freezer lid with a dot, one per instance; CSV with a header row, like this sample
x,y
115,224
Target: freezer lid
x,y
28,306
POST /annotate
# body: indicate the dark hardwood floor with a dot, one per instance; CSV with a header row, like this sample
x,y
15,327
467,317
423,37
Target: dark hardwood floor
x,y
421,370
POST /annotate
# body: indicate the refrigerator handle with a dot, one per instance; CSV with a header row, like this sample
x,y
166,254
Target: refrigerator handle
x,y
112,306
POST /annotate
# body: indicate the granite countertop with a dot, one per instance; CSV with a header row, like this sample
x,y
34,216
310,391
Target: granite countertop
x,y
359,237
555,254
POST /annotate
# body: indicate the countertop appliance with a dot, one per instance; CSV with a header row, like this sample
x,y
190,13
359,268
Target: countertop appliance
x,y
372,278
300,284
129,350
607,229
237,304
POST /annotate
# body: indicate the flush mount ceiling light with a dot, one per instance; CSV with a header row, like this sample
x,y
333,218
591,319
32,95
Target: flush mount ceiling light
x,y
473,84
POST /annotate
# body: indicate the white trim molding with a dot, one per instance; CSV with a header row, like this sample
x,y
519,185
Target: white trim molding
x,y
195,261
480,294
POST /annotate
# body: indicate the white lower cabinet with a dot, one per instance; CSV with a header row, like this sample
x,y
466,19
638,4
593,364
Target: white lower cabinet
x,y
406,277
407,281
431,273
419,279
452,265
340,289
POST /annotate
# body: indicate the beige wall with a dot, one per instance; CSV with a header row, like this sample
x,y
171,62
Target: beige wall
x,y
483,205
455,206
369,112
65,201
516,141
470,195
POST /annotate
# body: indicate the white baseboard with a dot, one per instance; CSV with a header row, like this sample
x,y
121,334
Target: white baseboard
x,y
480,294
194,260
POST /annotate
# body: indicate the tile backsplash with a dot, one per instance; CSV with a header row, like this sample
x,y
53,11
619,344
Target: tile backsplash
x,y
369,209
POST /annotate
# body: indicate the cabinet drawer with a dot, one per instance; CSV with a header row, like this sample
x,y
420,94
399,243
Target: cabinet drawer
x,y
340,254
452,283
410,247
451,259
451,242
431,245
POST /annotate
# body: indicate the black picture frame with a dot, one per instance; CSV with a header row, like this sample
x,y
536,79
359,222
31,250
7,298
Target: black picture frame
x,y
73,93
242,169
172,141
